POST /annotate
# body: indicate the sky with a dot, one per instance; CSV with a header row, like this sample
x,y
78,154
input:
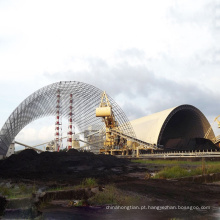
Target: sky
x,y
147,55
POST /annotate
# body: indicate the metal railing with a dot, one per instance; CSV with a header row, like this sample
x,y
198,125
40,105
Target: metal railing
x,y
203,153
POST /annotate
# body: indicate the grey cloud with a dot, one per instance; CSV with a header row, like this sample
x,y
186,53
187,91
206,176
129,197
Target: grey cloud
x,y
200,13
142,90
176,93
131,52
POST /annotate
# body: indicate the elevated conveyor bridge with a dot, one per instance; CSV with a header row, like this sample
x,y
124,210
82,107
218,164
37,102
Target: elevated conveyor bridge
x,y
143,145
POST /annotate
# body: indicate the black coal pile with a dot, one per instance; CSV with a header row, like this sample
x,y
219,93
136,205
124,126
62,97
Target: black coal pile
x,y
179,144
59,165
3,203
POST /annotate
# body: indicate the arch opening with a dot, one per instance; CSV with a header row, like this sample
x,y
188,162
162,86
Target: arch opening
x,y
184,125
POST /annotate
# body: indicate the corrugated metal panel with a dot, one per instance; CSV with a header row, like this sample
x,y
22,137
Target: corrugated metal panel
x,y
148,128
184,121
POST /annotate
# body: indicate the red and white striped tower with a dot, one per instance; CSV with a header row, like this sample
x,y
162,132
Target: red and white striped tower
x,y
70,131
57,123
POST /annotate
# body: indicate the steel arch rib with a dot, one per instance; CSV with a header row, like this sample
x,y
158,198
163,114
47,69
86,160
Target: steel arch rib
x,y
42,103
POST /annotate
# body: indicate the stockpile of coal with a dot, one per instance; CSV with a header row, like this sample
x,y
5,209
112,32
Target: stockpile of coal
x,y
2,204
59,165
193,144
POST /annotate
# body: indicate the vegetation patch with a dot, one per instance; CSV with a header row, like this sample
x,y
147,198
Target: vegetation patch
x,y
112,196
178,172
176,162
86,183
167,162
18,191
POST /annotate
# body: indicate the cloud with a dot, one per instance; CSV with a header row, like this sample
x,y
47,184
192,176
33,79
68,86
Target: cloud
x,y
139,91
186,11
147,58
37,133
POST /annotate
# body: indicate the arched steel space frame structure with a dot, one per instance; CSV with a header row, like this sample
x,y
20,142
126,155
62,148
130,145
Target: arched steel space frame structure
x,y
42,103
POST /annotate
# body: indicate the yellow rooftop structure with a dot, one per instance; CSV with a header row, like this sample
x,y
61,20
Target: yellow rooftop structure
x,y
184,121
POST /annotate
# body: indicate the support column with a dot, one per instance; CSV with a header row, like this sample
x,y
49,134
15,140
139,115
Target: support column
x,y
137,149
57,124
11,149
70,131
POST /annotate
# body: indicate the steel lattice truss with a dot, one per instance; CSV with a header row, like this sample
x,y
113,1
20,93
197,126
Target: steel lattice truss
x,y
42,103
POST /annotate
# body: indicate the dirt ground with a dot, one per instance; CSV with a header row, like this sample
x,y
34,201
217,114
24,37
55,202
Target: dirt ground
x,y
174,192
71,167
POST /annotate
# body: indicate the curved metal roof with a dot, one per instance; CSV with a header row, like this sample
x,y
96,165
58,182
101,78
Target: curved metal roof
x,y
42,103
184,121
